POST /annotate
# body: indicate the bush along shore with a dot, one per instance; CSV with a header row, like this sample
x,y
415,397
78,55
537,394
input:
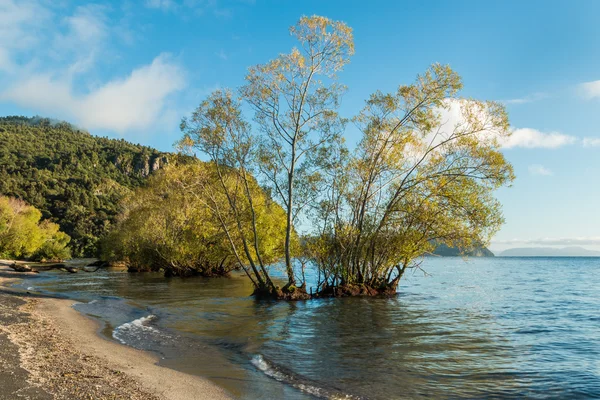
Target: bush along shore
x,y
23,235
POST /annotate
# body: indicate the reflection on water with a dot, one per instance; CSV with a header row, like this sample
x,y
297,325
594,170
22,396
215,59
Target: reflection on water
x,y
503,327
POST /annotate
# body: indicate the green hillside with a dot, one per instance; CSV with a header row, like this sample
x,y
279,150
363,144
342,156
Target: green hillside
x,y
445,251
74,178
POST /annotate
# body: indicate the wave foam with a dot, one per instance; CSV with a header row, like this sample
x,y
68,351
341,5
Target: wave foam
x,y
137,328
298,382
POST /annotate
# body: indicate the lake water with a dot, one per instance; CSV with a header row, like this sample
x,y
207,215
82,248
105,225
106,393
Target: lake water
x,y
487,327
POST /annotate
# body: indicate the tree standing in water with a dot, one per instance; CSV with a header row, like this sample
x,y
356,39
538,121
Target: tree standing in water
x,y
295,99
218,130
415,179
423,174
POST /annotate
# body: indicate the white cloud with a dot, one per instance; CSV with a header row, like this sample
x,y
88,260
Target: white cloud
x,y
527,99
590,90
6,64
51,62
532,138
185,8
454,116
17,23
34,37
591,142
87,24
537,169
133,103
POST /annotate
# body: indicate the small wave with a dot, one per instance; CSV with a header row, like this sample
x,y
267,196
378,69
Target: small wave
x,y
137,329
300,383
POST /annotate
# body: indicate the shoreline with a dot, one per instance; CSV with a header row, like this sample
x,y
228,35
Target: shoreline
x,y
50,350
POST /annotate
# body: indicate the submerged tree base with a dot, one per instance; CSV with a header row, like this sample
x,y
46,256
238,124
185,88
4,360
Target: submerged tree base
x,y
287,293
183,272
293,293
212,273
353,290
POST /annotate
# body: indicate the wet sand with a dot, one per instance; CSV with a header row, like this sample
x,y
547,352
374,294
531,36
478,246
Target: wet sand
x,y
50,351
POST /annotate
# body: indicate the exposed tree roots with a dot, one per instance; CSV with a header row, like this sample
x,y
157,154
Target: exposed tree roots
x,y
352,290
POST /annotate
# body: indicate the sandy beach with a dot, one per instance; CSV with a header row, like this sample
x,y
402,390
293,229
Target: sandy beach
x,y
50,351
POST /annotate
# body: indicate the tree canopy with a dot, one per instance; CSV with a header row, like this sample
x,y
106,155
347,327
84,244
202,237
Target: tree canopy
x,y
177,223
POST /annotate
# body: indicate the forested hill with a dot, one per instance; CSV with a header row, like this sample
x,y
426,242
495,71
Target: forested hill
x,y
74,178
445,251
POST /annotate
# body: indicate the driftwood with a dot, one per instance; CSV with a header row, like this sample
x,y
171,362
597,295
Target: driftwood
x,y
60,266
98,263
27,268
22,268
67,268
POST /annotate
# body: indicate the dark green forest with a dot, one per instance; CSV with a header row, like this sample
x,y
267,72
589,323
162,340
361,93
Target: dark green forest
x,y
75,179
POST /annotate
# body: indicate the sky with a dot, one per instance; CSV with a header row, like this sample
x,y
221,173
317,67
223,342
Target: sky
x,y
133,69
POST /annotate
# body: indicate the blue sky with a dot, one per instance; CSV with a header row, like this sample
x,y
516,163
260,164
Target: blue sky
x,y
132,69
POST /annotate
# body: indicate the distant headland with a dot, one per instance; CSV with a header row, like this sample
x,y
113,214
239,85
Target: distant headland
x,y
572,251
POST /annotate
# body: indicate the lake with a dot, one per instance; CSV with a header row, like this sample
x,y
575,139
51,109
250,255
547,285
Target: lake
x,y
485,327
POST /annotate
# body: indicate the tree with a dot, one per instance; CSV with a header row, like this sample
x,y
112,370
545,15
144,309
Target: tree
x,y
295,99
22,235
55,247
423,174
216,128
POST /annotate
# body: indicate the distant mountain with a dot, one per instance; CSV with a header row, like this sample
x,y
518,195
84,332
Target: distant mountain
x,y
446,251
549,252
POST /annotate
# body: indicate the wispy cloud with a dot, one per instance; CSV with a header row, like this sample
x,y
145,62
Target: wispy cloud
x,y
86,33
219,8
533,138
527,99
590,90
21,24
537,169
222,55
164,5
591,142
